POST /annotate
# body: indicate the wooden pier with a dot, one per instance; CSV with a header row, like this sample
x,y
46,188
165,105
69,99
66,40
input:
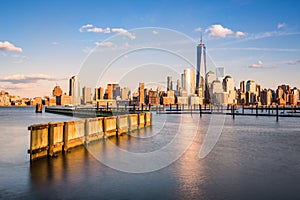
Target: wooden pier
x,y
55,137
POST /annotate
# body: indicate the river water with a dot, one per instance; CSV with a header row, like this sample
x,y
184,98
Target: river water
x,y
254,158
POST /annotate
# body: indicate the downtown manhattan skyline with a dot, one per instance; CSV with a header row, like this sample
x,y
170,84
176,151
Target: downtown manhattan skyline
x,y
45,43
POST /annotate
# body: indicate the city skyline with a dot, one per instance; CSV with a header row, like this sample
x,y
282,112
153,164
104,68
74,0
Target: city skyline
x,y
42,44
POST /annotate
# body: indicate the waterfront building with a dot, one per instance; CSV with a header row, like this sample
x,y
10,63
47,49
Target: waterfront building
x,y
125,93
228,87
266,97
87,95
141,93
251,92
57,91
99,93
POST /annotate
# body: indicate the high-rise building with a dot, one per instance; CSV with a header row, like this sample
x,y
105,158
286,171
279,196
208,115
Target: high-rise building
x,y
116,91
251,94
242,87
99,93
189,81
201,66
74,90
125,93
87,95
109,91
178,85
141,93
220,73
169,83
228,86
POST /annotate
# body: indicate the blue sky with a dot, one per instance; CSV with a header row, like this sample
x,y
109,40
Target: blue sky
x,y
41,44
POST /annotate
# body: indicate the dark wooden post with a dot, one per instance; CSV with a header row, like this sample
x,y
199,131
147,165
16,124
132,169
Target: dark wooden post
x,y
142,107
277,113
256,110
170,107
200,110
233,112
243,111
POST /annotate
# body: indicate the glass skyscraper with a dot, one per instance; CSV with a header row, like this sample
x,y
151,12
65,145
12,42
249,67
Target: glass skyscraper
x,y
201,69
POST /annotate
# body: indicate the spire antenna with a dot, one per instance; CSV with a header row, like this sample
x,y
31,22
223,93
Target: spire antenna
x,y
201,38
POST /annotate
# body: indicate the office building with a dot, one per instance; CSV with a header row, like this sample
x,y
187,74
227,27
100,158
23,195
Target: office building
x,y
169,83
74,90
141,93
86,95
201,67
189,81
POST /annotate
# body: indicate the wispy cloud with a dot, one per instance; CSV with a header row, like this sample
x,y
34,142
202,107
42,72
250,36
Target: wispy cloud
x,y
218,31
93,29
19,58
7,46
31,78
254,49
292,62
154,32
199,29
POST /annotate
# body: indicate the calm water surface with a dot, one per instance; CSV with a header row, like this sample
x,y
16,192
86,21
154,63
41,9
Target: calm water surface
x,y
255,158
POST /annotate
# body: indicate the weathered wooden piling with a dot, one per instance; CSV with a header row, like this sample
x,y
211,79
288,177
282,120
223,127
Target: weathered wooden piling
x,y
39,108
54,137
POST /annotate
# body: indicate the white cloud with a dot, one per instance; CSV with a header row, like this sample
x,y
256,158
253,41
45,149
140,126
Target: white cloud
x,y
31,78
93,29
239,34
7,46
122,31
154,32
218,30
281,25
259,64
87,26
104,44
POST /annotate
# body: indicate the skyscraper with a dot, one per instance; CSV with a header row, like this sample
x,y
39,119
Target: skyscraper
x,y
201,67
141,93
169,83
189,81
87,95
220,73
74,90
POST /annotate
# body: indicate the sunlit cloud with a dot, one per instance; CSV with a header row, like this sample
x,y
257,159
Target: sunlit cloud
x,y
93,29
7,46
239,34
31,78
259,64
154,32
218,31
122,31
104,44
